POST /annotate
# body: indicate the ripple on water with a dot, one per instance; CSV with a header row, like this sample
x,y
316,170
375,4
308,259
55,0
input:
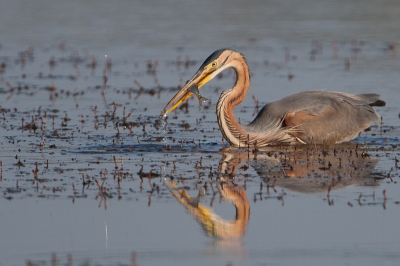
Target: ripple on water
x,y
148,148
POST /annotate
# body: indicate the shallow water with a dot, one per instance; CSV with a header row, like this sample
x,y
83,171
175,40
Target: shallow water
x,y
89,176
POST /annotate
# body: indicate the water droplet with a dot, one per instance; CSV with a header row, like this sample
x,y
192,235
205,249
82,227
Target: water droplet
x,y
164,127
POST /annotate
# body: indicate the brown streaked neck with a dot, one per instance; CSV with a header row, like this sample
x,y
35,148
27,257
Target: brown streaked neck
x,y
230,128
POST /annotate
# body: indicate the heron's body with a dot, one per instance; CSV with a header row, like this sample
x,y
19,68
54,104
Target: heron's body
x,y
321,116
318,117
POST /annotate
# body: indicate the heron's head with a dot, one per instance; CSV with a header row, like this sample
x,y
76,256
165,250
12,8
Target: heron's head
x,y
214,64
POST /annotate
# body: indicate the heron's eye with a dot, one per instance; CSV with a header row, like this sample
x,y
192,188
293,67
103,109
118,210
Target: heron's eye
x,y
214,64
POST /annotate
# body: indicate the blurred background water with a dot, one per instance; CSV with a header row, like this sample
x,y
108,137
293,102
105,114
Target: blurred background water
x,y
156,28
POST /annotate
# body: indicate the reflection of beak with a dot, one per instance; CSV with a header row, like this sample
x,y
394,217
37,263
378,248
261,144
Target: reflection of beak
x,y
191,88
213,224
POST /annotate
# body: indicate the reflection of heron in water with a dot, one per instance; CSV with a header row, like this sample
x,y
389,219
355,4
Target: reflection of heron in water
x,y
213,224
319,117
303,169
307,170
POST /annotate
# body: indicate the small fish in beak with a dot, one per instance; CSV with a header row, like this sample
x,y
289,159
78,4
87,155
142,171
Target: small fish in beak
x,y
195,90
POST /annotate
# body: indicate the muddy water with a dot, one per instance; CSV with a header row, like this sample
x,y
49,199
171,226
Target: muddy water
x,y
89,175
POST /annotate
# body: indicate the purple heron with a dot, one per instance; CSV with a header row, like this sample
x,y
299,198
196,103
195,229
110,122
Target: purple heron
x,y
309,117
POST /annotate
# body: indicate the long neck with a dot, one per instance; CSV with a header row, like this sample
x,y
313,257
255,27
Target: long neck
x,y
230,128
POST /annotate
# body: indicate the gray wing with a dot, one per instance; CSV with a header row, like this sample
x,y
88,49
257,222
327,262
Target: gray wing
x,y
321,116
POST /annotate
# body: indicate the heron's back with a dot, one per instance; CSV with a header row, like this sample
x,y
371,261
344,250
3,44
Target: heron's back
x,y
321,116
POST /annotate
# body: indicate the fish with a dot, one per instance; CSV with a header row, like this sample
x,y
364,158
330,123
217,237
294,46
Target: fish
x,y
195,90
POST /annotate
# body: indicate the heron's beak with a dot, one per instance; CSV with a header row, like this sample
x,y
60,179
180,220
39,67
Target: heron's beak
x,y
191,88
